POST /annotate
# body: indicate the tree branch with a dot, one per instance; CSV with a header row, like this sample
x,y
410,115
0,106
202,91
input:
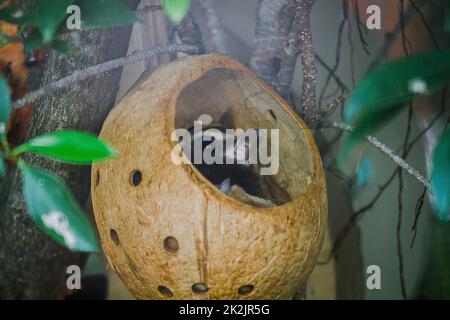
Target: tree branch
x,y
390,153
360,26
214,25
299,42
33,264
357,214
189,33
275,19
316,116
101,68
337,58
308,59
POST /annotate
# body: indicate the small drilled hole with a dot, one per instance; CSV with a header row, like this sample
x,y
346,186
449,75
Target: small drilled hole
x,y
272,114
136,178
171,244
245,289
166,292
114,236
97,178
200,288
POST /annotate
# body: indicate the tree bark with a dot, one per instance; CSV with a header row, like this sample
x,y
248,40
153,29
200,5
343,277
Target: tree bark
x,y
33,266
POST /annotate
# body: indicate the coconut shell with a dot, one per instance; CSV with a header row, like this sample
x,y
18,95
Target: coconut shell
x,y
166,230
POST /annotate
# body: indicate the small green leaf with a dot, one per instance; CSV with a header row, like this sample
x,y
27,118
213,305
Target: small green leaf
x,y
33,40
384,92
5,104
2,165
15,15
55,211
440,176
176,10
68,146
105,13
49,15
61,46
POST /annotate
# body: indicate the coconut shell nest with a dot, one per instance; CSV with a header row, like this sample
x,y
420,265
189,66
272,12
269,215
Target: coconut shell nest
x,y
166,230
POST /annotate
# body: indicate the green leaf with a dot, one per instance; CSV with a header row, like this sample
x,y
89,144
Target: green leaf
x,y
61,46
176,10
384,92
440,176
15,15
55,211
68,146
105,13
49,15
397,83
5,104
33,40
2,165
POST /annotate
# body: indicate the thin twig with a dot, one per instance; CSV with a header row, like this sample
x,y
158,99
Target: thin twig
x,y
333,105
360,25
355,216
400,208
398,235
337,53
426,24
101,68
332,142
418,213
351,45
358,213
406,44
392,37
341,84
407,51
390,153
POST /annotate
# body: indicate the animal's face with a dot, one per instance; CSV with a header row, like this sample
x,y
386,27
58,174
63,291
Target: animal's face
x,y
227,145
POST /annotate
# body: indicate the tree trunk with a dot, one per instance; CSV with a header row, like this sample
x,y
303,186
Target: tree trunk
x,y
33,266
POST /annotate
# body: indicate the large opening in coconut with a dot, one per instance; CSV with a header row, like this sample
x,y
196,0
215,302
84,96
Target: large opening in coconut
x,y
224,99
